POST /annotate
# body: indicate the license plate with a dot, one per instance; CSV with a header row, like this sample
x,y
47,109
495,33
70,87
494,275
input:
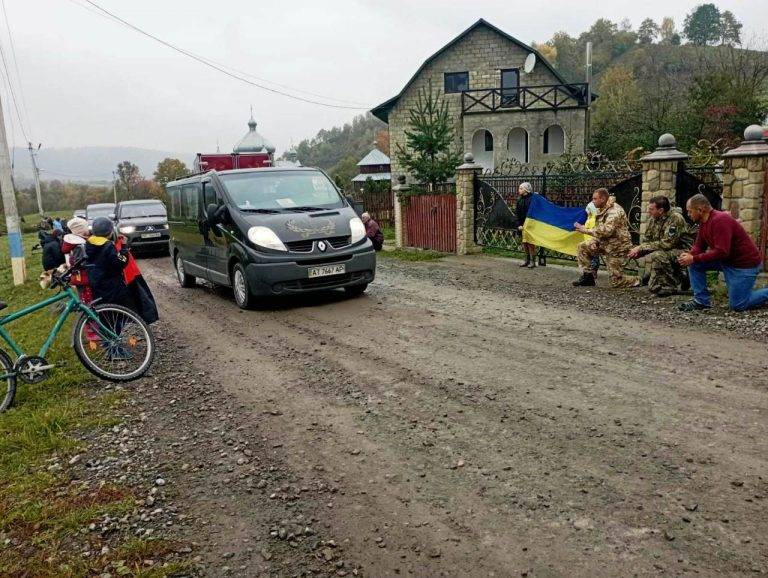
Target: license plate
x,y
326,270
150,235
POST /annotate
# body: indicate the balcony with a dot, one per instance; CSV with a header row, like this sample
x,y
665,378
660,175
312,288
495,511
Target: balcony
x,y
545,97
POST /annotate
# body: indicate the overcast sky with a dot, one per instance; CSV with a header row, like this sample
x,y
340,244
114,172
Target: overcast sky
x,y
89,81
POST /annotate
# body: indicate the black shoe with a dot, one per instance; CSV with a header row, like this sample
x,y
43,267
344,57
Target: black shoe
x,y
527,261
693,305
646,279
586,280
665,292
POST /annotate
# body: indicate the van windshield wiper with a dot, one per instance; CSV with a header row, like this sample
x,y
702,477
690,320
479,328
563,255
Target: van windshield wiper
x,y
254,210
306,208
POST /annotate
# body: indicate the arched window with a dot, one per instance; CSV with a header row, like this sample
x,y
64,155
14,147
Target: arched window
x,y
554,140
482,148
517,145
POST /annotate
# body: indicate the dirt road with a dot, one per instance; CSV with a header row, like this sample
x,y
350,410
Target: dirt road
x,y
448,424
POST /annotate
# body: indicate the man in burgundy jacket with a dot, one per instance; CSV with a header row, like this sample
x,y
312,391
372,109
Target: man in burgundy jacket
x,y
721,245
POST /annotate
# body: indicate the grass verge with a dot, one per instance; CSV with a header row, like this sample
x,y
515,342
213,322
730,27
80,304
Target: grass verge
x,y
411,255
43,511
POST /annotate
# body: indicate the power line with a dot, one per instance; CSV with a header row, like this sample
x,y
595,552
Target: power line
x,y
13,94
16,66
217,67
226,66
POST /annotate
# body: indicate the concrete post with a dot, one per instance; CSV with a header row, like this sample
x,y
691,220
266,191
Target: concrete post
x,y
465,206
400,187
660,175
744,186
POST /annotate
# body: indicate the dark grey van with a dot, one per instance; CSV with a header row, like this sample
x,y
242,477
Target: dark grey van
x,y
268,231
144,223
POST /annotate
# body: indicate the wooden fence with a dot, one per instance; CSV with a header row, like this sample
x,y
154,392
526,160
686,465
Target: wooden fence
x,y
380,205
430,222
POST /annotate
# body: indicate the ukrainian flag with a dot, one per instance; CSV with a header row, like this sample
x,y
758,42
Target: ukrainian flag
x,y
551,226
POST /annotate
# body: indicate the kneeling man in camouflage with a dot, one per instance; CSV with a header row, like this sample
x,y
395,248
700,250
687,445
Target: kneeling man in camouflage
x,y
666,238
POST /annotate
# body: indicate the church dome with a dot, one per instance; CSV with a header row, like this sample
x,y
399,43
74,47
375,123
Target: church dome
x,y
253,142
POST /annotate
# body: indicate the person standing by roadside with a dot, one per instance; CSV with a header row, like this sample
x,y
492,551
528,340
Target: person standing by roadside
x,y
73,248
51,245
106,264
143,300
525,192
722,244
610,238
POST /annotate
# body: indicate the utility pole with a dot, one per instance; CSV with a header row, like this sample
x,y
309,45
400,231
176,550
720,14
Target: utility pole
x,y
18,264
587,119
36,172
114,186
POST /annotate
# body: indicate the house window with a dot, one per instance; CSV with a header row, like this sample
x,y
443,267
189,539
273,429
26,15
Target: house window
x,y
456,81
554,140
488,141
517,145
510,85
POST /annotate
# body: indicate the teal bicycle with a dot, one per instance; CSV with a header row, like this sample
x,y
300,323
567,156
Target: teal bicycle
x,y
110,340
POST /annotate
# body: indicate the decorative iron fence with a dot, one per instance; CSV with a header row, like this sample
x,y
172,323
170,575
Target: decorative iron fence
x,y
496,224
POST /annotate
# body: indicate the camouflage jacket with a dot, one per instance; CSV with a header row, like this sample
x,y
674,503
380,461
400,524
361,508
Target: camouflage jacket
x,y
667,233
611,225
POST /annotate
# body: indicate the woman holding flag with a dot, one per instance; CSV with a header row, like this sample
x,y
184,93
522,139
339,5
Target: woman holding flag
x,y
525,194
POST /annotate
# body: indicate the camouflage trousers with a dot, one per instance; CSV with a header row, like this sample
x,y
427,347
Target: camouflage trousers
x,y
664,270
615,257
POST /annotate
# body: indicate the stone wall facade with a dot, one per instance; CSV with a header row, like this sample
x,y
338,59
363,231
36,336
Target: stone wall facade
x,y
744,185
465,206
484,53
659,178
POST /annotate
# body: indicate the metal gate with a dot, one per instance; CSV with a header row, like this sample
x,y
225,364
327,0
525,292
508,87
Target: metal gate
x,y
707,180
430,222
569,184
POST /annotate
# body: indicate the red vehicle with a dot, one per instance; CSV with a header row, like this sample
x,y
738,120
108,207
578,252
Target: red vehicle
x,y
226,162
252,152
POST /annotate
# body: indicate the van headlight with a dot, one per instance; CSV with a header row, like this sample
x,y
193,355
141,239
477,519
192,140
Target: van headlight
x,y
265,237
357,229
128,229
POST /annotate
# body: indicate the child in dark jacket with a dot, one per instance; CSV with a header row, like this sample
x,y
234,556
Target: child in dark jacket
x,y
106,264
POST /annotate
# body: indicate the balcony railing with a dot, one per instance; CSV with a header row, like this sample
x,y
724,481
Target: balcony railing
x,y
550,96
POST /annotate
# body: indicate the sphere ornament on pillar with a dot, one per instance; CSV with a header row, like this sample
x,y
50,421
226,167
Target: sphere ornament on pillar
x,y
400,179
753,145
469,162
666,151
469,158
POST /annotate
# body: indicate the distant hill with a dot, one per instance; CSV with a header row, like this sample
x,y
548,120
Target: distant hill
x,y
88,164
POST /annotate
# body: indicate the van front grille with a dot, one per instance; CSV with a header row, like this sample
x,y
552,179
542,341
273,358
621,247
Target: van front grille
x,y
339,242
303,246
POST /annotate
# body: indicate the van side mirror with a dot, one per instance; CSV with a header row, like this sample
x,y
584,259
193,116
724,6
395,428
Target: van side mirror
x,y
350,200
212,213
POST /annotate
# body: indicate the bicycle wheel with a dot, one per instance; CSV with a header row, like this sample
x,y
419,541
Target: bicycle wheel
x,y
6,367
123,356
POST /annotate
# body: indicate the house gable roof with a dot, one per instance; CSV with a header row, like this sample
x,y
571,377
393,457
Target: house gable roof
x,y
375,157
382,111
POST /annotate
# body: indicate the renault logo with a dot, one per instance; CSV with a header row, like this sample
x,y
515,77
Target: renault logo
x,y
322,246
150,228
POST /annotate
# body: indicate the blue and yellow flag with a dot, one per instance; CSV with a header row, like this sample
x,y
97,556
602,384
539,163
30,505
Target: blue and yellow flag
x,y
551,226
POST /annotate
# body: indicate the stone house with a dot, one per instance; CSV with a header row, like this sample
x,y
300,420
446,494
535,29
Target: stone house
x,y
500,111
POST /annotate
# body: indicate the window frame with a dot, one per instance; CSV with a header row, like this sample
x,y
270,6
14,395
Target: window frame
x,y
509,96
446,75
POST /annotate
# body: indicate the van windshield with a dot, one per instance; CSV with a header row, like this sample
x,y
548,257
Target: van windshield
x,y
142,210
282,191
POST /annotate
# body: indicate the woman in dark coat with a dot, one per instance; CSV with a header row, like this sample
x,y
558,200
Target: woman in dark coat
x,y
52,254
106,264
525,194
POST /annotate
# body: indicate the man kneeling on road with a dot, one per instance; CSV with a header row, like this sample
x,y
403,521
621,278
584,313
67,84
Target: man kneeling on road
x,y
610,239
666,238
722,244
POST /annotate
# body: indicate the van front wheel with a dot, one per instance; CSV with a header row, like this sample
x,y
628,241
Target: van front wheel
x,y
243,296
184,279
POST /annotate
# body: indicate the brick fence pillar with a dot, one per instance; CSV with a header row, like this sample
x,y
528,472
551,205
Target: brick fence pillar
x,y
744,185
400,187
660,175
465,206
